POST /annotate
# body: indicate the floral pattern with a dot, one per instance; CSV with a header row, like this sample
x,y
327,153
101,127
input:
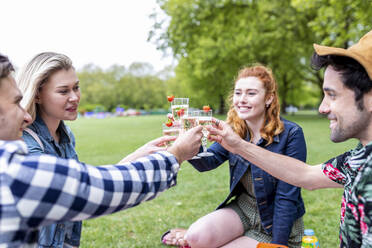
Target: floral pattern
x,y
353,170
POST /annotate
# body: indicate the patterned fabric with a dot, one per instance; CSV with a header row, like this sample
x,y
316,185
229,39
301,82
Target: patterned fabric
x,y
246,207
353,170
42,189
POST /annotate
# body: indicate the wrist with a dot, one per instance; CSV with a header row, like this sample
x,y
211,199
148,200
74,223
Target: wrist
x,y
238,148
176,153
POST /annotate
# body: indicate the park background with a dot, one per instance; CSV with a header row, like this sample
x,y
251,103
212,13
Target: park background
x,y
210,40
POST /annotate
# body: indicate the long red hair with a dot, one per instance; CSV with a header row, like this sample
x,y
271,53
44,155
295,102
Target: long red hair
x,y
272,124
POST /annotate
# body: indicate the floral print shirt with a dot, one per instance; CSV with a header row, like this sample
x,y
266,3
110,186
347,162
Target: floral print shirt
x,y
353,170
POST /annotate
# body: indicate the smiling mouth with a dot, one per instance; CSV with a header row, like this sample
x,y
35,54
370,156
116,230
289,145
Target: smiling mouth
x,y
332,123
72,109
244,109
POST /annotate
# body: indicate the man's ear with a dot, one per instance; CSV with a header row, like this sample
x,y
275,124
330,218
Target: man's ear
x,y
367,101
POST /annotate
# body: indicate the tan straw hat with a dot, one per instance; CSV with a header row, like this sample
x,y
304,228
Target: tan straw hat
x,y
361,52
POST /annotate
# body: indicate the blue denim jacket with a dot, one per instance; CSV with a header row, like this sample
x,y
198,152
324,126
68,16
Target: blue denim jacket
x,y
279,203
55,235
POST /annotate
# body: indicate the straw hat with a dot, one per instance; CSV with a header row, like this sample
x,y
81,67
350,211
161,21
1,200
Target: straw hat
x,y
361,52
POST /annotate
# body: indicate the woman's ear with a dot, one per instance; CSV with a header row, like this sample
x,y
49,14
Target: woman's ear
x,y
37,98
269,100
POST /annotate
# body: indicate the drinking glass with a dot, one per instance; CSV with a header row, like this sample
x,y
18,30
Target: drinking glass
x,y
205,118
180,107
171,131
188,121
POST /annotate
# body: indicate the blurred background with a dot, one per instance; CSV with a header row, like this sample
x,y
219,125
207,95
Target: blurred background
x,y
131,54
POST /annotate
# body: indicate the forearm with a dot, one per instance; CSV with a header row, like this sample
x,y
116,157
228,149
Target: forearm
x,y
285,168
82,191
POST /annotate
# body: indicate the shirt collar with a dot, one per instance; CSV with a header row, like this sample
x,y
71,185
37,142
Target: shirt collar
x,y
43,130
14,146
276,139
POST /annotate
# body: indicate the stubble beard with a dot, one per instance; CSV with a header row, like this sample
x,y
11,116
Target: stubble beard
x,y
353,130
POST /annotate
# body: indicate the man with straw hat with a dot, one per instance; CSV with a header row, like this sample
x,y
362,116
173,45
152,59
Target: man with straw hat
x,y
347,103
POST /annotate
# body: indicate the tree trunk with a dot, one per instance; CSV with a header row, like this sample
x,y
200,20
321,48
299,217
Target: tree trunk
x,y
222,109
285,88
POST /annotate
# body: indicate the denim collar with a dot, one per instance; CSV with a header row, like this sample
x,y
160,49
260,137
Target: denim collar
x,y
276,139
43,130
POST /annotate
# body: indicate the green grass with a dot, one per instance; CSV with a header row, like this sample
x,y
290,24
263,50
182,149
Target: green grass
x,y
107,141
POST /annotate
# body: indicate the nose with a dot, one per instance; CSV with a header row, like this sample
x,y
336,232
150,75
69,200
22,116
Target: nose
x,y
243,98
27,118
324,107
74,96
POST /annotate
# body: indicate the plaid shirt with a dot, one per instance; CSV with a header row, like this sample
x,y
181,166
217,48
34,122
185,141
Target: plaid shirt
x,y
353,170
40,190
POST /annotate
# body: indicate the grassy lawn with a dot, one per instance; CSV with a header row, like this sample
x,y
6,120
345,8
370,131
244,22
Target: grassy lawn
x,y
107,141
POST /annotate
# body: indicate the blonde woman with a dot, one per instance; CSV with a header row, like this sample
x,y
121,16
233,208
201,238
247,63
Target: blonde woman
x,y
259,207
51,95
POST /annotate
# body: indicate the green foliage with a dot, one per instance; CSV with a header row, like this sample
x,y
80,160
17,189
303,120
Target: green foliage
x,y
106,141
213,39
138,87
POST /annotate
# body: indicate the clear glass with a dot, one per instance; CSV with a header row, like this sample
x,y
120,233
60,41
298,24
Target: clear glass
x,y
180,107
171,131
205,118
188,121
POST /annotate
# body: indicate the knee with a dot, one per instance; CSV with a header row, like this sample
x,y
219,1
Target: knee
x,y
199,237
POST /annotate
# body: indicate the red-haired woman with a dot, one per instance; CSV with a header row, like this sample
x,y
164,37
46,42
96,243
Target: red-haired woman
x,y
259,207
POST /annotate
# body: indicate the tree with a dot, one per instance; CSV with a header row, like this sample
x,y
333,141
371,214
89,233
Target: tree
x,y
135,87
212,39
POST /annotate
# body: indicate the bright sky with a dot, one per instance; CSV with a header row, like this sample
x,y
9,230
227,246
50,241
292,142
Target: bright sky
x,y
102,32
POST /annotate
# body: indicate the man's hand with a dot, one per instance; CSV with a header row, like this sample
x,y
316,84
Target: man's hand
x,y
150,147
187,144
222,133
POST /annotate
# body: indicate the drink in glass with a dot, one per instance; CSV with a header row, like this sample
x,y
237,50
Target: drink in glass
x,y
180,107
171,131
189,121
205,118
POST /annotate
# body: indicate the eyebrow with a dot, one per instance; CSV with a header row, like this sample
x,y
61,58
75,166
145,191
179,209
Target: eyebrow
x,y
246,89
65,86
328,89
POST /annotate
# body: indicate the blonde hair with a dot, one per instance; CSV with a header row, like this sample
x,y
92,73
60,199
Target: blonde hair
x,y
272,124
36,73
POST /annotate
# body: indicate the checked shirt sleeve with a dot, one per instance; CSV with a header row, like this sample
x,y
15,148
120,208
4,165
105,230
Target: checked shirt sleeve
x,y
49,189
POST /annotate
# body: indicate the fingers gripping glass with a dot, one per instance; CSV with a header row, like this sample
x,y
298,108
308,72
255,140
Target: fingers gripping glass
x,y
188,121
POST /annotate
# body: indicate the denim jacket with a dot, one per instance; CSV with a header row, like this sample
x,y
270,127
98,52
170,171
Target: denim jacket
x,y
56,234
279,204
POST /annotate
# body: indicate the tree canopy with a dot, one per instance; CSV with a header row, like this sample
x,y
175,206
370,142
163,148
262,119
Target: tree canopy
x,y
213,39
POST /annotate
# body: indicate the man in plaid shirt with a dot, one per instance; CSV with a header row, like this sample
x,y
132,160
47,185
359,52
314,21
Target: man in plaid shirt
x,y
42,189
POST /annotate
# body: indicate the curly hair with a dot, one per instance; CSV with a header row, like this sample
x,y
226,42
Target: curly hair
x,y
272,124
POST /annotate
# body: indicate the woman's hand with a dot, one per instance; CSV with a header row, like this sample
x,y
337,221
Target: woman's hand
x,y
155,145
222,133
